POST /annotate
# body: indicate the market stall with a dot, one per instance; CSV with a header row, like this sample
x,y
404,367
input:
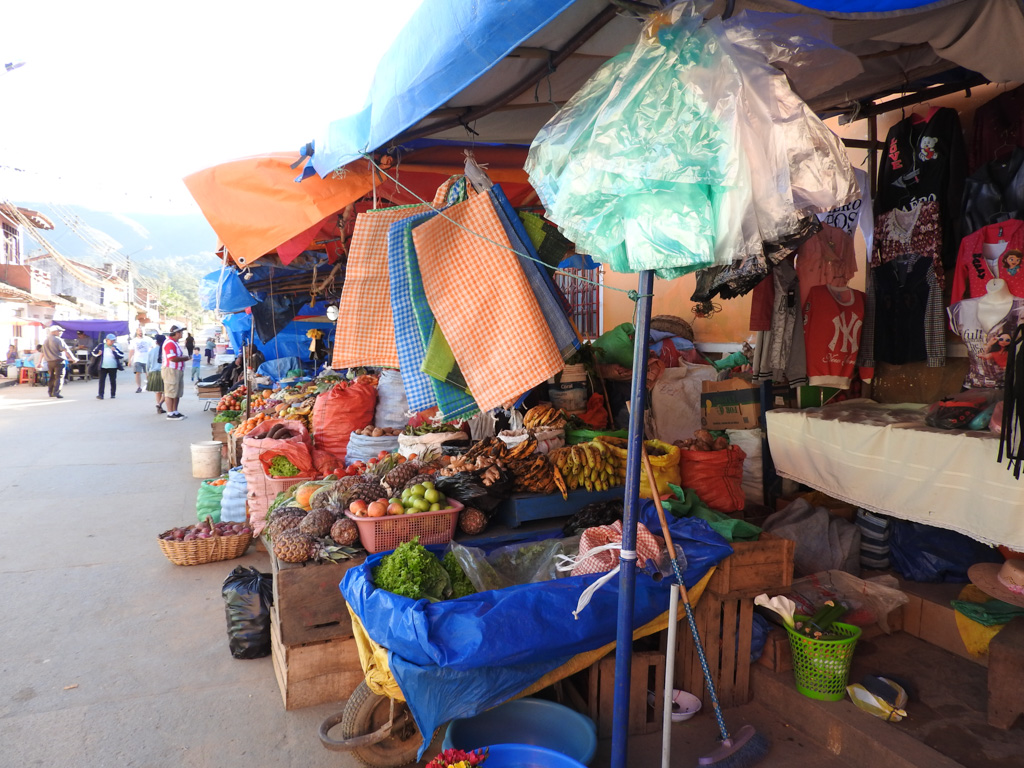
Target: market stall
x,y
449,286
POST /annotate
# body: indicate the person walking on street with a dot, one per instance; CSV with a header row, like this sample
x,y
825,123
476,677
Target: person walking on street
x,y
211,345
56,352
138,353
173,372
110,360
155,379
197,361
190,345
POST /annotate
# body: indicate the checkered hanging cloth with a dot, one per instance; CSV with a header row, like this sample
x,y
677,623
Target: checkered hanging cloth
x,y
365,333
418,390
484,304
549,298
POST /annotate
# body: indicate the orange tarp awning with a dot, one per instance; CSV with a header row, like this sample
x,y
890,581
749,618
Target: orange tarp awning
x,y
254,204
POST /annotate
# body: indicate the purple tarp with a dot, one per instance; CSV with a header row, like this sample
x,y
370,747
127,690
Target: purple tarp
x,y
93,328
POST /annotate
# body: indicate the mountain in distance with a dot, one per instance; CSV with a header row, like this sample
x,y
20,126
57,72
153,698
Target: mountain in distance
x,y
169,252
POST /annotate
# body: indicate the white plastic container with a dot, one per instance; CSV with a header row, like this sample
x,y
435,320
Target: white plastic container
x,y
206,459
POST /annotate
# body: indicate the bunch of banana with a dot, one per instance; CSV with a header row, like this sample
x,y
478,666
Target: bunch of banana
x,y
534,473
544,417
592,465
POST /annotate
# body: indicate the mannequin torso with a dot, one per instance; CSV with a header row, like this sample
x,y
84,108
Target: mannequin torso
x,y
995,304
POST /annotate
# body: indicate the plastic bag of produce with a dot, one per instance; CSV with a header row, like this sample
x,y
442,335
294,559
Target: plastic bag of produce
x,y
392,405
232,502
469,488
299,461
749,441
428,443
248,595
342,410
547,439
208,500
716,476
363,448
664,461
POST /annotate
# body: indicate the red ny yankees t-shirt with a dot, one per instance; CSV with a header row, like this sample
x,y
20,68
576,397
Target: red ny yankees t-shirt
x,y
833,318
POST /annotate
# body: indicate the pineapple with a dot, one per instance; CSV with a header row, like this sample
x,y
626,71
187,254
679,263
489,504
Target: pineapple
x,y
472,521
418,479
280,512
368,489
399,477
329,500
281,524
345,533
317,523
294,546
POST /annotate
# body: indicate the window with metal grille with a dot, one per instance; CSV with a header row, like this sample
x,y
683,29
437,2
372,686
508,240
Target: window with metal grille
x,y
584,299
12,244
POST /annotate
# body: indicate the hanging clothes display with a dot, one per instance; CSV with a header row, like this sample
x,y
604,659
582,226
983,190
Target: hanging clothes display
x,y
909,323
987,348
924,160
365,334
995,192
993,251
858,214
779,354
832,320
998,129
826,258
484,304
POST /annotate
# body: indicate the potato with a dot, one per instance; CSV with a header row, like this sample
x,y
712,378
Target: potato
x,y
377,433
720,444
704,436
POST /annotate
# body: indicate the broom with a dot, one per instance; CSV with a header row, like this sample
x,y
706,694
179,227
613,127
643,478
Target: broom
x,y
747,747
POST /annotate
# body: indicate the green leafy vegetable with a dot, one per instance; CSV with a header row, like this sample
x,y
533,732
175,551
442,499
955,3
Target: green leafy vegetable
x,y
225,416
461,585
281,467
412,571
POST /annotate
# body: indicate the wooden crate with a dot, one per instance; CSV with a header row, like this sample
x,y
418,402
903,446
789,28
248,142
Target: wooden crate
x,y
217,432
310,607
726,627
754,567
647,674
314,673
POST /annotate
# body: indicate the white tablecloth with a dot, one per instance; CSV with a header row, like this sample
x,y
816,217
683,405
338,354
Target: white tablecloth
x,y
885,459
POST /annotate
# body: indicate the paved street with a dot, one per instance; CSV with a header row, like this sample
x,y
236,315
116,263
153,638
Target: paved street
x,y
109,654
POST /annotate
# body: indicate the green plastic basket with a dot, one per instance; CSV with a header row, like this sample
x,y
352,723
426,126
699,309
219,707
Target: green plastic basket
x,y
822,666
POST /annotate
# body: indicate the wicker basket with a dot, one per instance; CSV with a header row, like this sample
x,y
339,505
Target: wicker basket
x,y
201,551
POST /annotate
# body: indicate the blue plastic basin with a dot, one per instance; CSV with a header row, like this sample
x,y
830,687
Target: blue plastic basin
x,y
527,756
525,723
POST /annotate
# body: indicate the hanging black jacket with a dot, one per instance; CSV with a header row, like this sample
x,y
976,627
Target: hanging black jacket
x,y
994,193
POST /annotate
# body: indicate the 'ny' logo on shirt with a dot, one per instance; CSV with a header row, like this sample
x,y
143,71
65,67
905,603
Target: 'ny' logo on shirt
x,y
847,326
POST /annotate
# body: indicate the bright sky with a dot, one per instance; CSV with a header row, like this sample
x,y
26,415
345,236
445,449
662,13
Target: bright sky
x,y
117,101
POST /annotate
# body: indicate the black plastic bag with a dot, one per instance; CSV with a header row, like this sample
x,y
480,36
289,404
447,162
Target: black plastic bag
x,y
248,595
469,488
593,515
922,552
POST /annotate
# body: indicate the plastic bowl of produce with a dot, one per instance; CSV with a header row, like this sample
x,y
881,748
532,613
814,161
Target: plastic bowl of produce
x,y
526,722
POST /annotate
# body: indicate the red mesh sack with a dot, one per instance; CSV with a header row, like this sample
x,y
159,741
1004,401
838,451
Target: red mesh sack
x,y
715,476
342,410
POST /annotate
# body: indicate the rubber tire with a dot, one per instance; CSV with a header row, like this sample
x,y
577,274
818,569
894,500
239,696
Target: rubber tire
x,y
365,712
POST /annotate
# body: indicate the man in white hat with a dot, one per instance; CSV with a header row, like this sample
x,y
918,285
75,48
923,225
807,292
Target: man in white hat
x,y
173,372
55,352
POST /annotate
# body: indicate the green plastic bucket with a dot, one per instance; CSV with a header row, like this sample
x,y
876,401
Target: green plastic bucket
x,y
821,667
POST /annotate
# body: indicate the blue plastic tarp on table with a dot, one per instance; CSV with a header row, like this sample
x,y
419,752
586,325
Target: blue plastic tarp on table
x,y
94,328
459,657
290,341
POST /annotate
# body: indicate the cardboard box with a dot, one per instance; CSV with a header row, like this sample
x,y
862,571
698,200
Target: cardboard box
x,y
729,404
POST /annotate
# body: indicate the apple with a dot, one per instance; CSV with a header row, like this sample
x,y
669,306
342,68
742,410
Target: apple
x,y
358,507
421,505
428,485
377,509
432,496
396,508
435,507
417,490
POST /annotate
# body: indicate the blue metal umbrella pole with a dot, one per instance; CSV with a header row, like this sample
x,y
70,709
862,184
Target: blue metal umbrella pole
x,y
627,573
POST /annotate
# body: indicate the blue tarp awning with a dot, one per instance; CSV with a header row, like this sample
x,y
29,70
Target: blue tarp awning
x,y
93,328
500,70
